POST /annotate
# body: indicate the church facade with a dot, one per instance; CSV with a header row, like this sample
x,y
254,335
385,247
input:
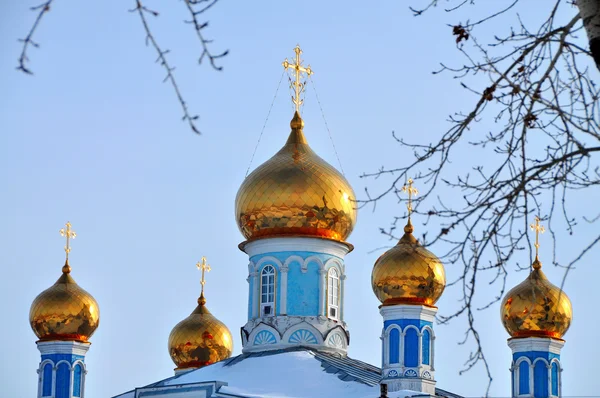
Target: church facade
x,y
295,212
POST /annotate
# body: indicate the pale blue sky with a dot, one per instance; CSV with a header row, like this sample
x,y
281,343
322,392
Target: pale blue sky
x,y
96,139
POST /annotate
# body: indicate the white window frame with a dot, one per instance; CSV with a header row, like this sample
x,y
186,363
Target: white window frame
x,y
333,294
268,271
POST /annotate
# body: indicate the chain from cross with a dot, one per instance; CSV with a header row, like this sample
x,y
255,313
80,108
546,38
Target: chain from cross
x,y
297,85
408,188
539,229
204,267
69,234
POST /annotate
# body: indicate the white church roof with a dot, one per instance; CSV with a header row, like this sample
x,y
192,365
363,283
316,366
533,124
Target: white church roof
x,y
298,373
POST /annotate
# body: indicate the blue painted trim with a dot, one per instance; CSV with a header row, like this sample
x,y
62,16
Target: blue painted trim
x,y
533,355
419,323
77,372
63,381
554,379
426,344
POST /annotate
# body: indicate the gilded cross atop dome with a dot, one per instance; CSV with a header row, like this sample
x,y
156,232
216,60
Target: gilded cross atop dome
x,y
297,85
204,267
539,229
411,190
69,234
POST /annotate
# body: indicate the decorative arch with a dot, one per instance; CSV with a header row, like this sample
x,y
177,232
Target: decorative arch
x,y
337,338
426,338
334,262
309,260
264,338
522,371
540,378
555,375
301,334
294,258
274,261
78,373
411,346
392,347
46,371
63,379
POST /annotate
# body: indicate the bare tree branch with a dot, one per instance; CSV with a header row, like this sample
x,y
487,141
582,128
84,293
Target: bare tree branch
x,y
28,40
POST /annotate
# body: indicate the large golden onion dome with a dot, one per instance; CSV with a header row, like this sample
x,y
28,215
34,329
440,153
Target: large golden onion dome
x,y
296,193
408,273
536,308
200,339
64,311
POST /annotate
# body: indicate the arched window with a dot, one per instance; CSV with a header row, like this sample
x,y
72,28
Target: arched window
x,y
47,380
333,294
411,348
554,379
540,379
425,350
267,291
394,353
77,380
524,378
63,381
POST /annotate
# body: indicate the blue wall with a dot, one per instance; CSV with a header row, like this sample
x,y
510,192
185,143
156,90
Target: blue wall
x,y
411,348
419,323
394,346
302,287
63,375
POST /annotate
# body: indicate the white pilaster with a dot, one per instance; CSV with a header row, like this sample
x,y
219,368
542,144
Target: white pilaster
x,y
284,289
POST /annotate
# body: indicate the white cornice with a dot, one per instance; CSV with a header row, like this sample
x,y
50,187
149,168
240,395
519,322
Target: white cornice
x,y
287,244
536,344
406,311
63,347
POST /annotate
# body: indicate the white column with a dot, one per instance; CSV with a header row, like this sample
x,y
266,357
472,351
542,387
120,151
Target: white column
x,y
71,378
322,298
254,294
342,293
284,286
402,344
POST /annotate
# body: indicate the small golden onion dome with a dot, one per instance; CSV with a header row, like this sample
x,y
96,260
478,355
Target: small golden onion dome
x,y
296,193
200,339
64,311
536,308
408,273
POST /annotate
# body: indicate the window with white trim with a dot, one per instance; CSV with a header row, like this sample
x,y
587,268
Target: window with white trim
x,y
267,291
333,294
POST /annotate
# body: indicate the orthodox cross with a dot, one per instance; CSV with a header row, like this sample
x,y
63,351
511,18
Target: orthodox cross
x,y
297,85
408,188
203,266
69,234
539,229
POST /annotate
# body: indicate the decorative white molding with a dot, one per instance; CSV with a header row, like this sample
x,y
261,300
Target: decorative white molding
x,y
270,260
287,244
535,344
407,311
63,347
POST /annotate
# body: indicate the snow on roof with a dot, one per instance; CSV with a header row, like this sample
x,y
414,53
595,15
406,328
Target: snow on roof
x,y
299,373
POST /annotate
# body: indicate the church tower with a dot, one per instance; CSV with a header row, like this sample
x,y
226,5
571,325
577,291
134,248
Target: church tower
x,y
408,280
536,314
200,339
295,211
63,317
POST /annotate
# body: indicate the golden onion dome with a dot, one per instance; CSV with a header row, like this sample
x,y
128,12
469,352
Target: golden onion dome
x,y
408,273
200,339
64,311
536,308
296,193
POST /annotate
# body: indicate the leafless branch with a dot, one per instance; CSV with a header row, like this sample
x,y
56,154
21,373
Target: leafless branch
x,y
41,9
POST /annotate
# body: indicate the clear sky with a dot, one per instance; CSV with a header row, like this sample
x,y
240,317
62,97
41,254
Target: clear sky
x,y
96,139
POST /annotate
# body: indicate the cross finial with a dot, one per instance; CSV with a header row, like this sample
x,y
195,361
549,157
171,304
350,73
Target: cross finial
x,y
204,267
539,229
297,85
69,234
408,188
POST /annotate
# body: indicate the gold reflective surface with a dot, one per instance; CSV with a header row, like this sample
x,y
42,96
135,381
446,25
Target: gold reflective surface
x,y
64,311
200,339
536,308
296,193
408,274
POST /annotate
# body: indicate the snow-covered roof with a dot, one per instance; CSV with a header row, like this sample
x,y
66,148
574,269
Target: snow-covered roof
x,y
298,373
